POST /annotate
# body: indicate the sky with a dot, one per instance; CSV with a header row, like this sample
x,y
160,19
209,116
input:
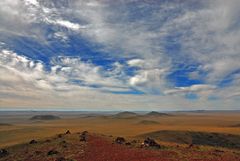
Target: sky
x,y
120,55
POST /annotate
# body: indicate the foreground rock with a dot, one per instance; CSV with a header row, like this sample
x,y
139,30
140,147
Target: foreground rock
x,y
63,159
83,136
52,152
3,153
150,143
68,132
120,140
33,142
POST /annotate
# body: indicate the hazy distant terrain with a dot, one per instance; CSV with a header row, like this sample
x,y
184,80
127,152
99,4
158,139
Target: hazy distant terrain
x,y
175,130
18,127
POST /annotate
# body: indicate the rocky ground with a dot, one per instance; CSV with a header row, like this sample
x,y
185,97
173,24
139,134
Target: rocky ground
x,y
86,146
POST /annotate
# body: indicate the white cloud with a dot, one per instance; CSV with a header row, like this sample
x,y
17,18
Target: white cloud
x,y
63,71
68,24
136,62
207,89
206,34
150,81
32,2
211,38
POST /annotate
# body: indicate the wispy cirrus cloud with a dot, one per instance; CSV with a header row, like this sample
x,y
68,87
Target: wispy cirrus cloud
x,y
163,49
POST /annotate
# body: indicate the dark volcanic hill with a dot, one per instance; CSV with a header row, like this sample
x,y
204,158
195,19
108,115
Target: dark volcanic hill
x,y
196,138
156,114
45,117
125,114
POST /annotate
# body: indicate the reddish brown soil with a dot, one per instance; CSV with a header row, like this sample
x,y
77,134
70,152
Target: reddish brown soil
x,y
100,148
104,150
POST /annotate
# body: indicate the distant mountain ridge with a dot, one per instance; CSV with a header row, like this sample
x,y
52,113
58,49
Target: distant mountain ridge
x,y
156,114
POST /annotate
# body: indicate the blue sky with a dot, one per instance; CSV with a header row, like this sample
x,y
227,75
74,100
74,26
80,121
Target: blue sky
x,y
120,55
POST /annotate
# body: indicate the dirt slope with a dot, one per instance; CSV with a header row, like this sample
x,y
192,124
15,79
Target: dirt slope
x,y
197,138
69,147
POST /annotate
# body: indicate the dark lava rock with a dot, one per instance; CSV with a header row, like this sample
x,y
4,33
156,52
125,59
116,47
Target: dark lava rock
x,y
128,143
3,153
52,152
47,141
219,151
83,136
33,142
84,132
63,142
120,140
190,146
60,135
150,143
61,159
38,152
68,132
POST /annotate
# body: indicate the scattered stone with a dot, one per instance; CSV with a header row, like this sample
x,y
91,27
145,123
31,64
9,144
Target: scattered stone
x,y
68,132
33,142
3,153
52,152
83,136
134,141
61,159
60,135
120,140
190,146
150,143
84,132
128,143
47,141
219,151
63,142
38,152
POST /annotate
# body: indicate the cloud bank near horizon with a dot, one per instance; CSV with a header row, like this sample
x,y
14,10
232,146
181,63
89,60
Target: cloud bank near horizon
x,y
162,55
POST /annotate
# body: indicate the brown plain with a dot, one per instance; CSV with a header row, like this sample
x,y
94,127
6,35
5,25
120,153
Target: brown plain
x,y
22,131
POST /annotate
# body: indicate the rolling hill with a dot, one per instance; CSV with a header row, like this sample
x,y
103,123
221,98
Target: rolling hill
x,y
125,114
156,114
